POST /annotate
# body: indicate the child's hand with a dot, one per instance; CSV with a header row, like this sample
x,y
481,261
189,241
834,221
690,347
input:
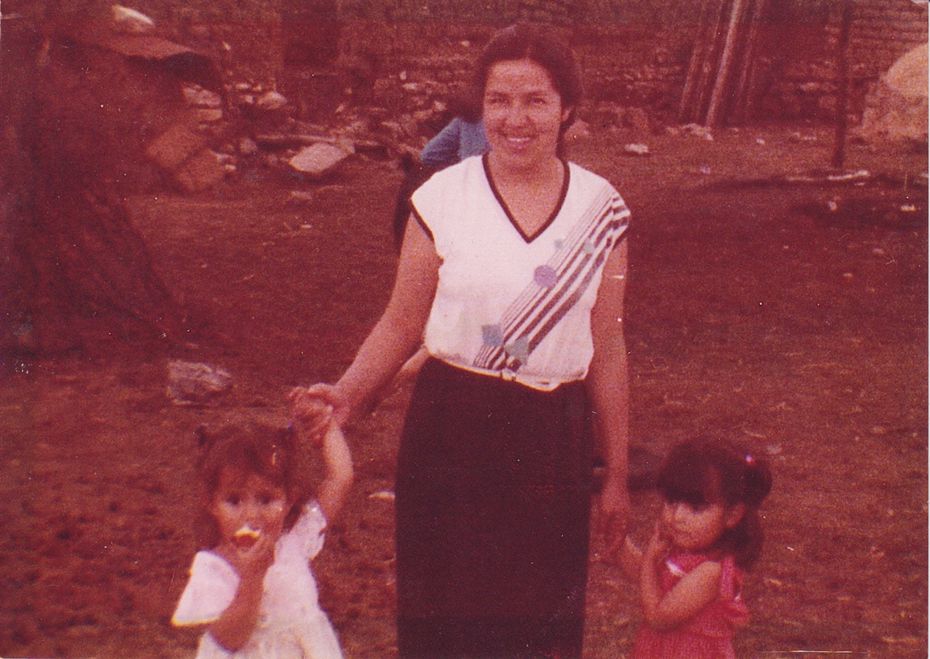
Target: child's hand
x,y
252,562
315,409
312,413
658,545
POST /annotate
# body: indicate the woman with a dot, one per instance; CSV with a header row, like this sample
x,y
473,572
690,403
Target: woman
x,y
514,273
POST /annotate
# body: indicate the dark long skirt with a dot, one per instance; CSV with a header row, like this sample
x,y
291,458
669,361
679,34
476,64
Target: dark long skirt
x,y
493,509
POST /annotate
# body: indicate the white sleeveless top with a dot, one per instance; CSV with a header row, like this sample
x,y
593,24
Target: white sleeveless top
x,y
508,304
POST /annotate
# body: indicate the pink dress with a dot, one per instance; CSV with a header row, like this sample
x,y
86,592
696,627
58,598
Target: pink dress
x,y
709,635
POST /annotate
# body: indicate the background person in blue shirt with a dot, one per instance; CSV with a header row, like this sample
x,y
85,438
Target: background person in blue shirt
x,y
461,138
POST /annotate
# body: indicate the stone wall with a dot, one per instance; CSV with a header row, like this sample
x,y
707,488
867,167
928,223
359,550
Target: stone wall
x,y
805,66
245,36
635,53
632,55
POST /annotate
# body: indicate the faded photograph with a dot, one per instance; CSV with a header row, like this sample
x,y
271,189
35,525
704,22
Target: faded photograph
x,y
474,329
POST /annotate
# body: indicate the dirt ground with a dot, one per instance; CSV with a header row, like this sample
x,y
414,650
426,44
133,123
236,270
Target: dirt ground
x,y
754,312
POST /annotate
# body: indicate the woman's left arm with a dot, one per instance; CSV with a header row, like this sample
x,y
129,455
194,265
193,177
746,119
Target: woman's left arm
x,y
608,389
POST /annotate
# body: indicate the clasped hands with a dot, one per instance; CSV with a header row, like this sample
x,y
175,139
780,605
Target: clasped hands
x,y
317,407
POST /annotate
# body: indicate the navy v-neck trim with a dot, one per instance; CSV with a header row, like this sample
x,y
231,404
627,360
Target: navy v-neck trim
x,y
528,238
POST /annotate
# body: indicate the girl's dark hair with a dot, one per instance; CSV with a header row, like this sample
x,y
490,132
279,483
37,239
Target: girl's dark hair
x,y
708,471
260,448
541,45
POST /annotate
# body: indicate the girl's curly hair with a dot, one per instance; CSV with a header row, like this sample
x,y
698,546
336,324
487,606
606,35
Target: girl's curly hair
x,y
255,447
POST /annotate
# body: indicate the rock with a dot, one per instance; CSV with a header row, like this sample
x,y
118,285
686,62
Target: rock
x,y
636,149
208,115
202,171
174,146
247,146
318,159
197,96
130,21
271,101
796,136
696,130
300,197
191,383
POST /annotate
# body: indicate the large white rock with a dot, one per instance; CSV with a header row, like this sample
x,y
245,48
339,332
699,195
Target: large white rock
x,y
318,159
896,109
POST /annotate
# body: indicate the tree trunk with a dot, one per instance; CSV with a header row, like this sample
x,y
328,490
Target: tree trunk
x,y
76,272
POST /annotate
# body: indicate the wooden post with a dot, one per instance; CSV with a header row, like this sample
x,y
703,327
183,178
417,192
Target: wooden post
x,y
685,107
709,61
842,84
714,110
743,88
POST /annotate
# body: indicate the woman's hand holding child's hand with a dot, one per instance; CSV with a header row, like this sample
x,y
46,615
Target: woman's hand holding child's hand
x,y
316,408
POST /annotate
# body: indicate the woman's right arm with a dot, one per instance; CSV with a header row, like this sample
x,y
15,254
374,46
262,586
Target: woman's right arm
x,y
395,337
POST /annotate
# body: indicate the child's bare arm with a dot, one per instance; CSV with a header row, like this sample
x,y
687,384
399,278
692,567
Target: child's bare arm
x,y
339,474
236,624
688,598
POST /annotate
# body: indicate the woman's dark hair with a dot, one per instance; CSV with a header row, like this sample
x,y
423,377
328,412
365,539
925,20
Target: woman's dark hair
x,y
260,448
708,471
541,45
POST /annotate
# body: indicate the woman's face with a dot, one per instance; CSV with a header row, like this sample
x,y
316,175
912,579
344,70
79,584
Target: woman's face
x,y
522,113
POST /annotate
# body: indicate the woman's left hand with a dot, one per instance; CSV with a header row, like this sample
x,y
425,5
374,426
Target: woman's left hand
x,y
614,513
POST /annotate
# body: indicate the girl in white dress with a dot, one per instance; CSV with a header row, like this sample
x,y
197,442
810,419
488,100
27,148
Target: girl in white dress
x,y
251,587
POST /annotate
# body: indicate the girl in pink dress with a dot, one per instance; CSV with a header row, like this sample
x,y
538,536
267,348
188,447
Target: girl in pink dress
x,y
691,570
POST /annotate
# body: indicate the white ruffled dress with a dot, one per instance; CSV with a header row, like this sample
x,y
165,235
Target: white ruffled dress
x,y
290,623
